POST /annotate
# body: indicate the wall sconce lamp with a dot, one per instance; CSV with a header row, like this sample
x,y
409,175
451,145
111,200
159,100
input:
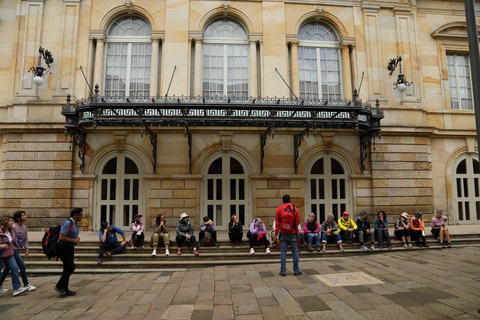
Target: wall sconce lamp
x,y
40,71
401,84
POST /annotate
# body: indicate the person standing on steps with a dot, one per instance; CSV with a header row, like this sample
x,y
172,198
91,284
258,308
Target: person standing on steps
x,y
287,219
67,241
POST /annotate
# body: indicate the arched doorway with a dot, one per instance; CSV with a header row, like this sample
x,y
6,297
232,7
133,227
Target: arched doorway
x,y
226,190
329,189
466,189
119,190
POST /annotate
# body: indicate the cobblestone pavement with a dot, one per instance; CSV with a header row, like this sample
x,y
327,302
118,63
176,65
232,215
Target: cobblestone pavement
x,y
437,284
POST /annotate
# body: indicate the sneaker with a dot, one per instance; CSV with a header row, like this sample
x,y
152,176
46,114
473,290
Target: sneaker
x,y
420,245
167,253
240,245
318,249
390,248
154,253
297,273
179,252
71,293
133,247
426,246
364,248
349,241
309,248
3,290
267,251
216,245
324,250
252,251
19,290
30,287
342,250
449,244
142,247
109,254
442,245
60,291
372,247
380,248
405,245
100,261
195,252
234,245
282,274
410,245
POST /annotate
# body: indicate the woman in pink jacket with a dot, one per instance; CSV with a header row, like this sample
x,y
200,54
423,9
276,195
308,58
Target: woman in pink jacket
x,y
7,238
137,238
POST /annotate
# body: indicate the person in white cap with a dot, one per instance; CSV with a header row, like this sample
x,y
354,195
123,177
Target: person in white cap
x,y
185,234
402,230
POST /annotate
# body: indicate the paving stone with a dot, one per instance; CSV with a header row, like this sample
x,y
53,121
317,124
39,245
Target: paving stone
x,y
281,295
267,301
312,303
223,312
6,307
317,288
291,309
272,313
358,289
444,309
223,298
178,312
373,314
162,279
434,294
202,315
344,311
322,315
424,312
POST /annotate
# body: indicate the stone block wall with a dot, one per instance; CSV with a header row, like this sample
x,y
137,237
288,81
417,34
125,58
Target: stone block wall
x,y
36,177
402,176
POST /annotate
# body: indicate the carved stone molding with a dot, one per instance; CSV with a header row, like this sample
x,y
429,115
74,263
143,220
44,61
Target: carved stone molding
x,y
226,137
327,141
120,140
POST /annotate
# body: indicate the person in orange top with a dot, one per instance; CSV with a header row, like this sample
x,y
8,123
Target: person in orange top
x,y
417,230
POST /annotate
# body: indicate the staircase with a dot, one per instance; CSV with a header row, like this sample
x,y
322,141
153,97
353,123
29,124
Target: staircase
x,y
141,260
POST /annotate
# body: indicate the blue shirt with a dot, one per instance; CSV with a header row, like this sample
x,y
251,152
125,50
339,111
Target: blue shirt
x,y
66,225
111,235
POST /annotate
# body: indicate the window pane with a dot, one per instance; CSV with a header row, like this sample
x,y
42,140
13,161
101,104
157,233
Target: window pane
x,y
219,189
241,213
241,189
334,189
317,167
467,210
459,187
111,214
465,187
321,189
103,212
233,189
104,189
126,189
313,189
130,166
235,166
336,167
219,215
460,210
135,190
322,212
113,189
110,167
216,167
462,167
476,168
126,215
210,189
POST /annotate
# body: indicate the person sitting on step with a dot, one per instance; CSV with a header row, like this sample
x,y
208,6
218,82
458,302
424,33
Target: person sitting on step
x,y
417,230
235,231
258,235
108,240
402,230
208,234
439,229
311,230
185,234
347,227
381,229
160,233
330,229
363,231
137,237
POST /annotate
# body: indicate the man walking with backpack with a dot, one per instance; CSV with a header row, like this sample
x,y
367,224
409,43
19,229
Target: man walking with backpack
x,y
65,250
287,219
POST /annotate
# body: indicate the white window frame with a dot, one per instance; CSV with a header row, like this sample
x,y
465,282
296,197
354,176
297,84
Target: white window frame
x,y
471,199
328,177
456,75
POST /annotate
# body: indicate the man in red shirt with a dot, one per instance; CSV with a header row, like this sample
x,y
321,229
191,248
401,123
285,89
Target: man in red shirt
x,y
287,219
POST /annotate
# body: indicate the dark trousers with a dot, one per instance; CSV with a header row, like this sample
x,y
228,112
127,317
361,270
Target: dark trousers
x,y
137,240
65,253
235,236
346,235
181,239
254,240
416,235
381,234
201,235
113,248
402,233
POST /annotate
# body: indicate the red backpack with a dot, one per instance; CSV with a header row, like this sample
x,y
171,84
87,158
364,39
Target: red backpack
x,y
287,220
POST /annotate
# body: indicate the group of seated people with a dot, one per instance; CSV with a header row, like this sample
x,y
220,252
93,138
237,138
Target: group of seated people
x,y
345,229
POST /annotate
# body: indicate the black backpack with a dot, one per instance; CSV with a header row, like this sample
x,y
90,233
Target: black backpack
x,y
50,240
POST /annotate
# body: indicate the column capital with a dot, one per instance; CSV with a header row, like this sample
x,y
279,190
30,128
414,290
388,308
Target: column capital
x,y
157,36
294,42
347,42
98,35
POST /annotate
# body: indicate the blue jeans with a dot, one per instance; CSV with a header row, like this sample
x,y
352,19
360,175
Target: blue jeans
x,y
20,264
285,240
310,236
12,264
337,237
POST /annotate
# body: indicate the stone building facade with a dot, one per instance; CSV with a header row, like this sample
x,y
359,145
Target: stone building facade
x,y
426,158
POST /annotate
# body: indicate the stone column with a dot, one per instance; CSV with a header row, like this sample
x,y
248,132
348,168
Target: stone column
x,y
252,85
197,84
154,67
98,72
90,59
295,74
347,72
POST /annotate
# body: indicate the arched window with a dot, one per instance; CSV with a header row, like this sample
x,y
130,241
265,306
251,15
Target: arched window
x,y
466,189
119,190
328,187
225,191
128,58
319,62
225,59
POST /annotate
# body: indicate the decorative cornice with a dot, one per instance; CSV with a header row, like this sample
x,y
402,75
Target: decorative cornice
x,y
442,31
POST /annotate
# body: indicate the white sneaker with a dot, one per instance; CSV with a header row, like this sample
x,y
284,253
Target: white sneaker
x,y
142,247
3,290
268,251
167,253
20,290
133,247
252,251
372,247
364,248
154,253
30,287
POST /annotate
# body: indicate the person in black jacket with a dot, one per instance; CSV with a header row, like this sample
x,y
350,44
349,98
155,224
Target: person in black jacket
x,y
235,231
363,231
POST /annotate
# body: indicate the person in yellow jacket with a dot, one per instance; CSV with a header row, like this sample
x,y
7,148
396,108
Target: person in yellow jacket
x,y
347,227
